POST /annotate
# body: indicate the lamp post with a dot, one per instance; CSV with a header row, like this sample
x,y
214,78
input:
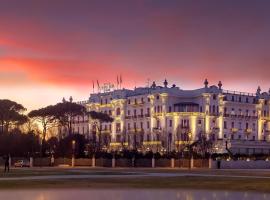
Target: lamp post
x,y
73,153
73,148
189,149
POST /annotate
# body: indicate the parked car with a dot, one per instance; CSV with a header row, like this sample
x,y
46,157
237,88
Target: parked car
x,y
22,163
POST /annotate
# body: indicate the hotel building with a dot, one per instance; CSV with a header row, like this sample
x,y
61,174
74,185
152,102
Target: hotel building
x,y
162,118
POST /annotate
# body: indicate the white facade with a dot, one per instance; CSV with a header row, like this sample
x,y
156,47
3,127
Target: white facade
x,y
161,118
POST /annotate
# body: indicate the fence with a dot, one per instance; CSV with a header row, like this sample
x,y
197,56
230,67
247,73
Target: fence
x,y
243,164
145,162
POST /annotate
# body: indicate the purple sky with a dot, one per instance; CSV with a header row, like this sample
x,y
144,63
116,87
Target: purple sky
x,y
51,49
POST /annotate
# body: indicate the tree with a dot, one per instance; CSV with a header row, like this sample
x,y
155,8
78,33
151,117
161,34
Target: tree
x,y
11,113
66,112
203,145
51,144
30,126
44,116
18,144
97,119
65,148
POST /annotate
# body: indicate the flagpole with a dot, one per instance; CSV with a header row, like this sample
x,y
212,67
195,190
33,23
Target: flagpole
x,y
120,82
93,87
98,86
117,82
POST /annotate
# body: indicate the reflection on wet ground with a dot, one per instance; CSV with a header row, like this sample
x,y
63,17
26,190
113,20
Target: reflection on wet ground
x,y
130,194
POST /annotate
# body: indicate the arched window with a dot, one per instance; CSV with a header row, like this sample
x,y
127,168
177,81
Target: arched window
x,y
118,111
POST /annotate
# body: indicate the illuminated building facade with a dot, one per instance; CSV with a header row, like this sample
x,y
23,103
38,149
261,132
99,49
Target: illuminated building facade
x,y
162,118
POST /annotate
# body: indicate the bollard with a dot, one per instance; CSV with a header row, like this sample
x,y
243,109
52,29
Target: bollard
x,y
31,161
93,161
52,160
210,163
113,162
133,161
9,161
153,162
172,163
73,161
192,163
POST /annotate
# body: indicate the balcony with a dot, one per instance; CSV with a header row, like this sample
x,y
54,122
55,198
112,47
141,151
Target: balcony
x,y
216,128
147,115
128,117
136,130
234,130
115,144
158,114
152,143
106,132
118,131
125,143
214,114
138,103
240,116
132,116
182,142
184,126
248,131
157,129
226,115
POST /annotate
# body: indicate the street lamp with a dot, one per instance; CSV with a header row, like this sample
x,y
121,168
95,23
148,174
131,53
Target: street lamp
x,y
189,149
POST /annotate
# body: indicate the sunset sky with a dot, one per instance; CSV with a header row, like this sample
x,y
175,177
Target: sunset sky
x,y
55,48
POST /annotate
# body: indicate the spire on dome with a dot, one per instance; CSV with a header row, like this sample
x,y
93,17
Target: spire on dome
x,y
258,91
219,85
70,99
206,83
165,83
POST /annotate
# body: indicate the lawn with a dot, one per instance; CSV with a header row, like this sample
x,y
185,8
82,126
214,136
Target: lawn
x,y
24,172
213,183
191,182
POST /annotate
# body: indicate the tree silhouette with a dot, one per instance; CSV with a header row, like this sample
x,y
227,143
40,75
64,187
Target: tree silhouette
x,y
44,116
66,112
203,145
11,114
97,119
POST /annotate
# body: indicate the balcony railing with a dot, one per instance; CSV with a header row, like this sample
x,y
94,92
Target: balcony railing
x,y
238,93
138,103
156,142
234,130
114,144
135,130
248,130
184,126
106,131
241,116
118,131
215,128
